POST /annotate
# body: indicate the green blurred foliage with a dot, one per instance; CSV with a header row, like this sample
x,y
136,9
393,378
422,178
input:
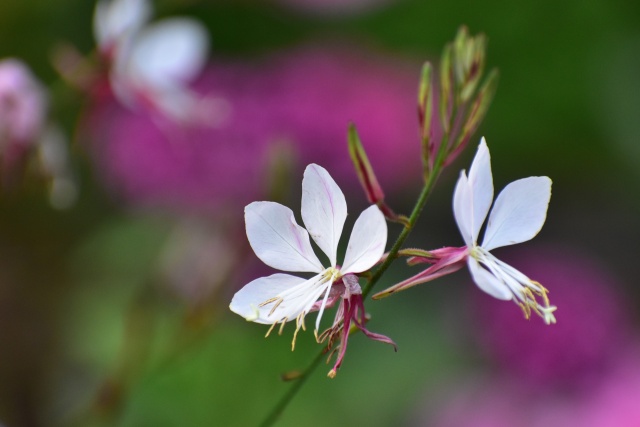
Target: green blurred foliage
x,y
566,106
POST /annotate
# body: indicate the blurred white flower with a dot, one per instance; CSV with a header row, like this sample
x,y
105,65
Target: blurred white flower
x,y
151,65
281,243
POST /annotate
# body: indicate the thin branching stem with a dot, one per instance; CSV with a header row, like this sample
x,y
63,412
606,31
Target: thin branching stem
x,y
293,390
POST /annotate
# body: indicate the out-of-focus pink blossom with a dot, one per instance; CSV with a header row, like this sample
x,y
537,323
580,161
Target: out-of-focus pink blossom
x,y
500,402
304,98
593,325
23,110
25,132
23,104
495,402
615,402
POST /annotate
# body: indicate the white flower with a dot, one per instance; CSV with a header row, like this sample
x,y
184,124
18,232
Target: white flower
x,y
281,243
517,216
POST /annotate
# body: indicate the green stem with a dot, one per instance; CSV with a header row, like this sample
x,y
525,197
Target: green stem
x,y
413,218
286,399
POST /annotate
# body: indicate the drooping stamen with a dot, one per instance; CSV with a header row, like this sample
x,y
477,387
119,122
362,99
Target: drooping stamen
x,y
525,291
299,324
299,300
271,329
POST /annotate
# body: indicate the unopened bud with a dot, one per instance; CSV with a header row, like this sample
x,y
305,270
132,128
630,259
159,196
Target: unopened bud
x,y
426,87
363,168
425,108
480,105
467,63
474,68
462,54
447,87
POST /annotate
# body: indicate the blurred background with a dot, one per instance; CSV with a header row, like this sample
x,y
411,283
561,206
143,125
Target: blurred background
x,y
114,291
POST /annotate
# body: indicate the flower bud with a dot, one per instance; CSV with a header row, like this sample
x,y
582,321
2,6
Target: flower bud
x,y
363,168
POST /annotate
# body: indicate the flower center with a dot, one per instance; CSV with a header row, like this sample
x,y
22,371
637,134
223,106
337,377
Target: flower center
x,y
299,300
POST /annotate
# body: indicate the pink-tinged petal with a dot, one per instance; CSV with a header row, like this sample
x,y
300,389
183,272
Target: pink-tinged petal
x,y
367,241
278,240
247,301
481,185
463,209
169,52
450,263
324,209
487,281
519,212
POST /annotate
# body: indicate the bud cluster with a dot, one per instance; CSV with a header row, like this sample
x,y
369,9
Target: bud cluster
x,y
451,113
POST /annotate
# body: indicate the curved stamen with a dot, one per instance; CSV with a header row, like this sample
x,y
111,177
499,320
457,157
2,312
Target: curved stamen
x,y
524,290
299,300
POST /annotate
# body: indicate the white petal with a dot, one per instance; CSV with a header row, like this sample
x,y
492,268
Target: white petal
x,y
367,241
168,52
324,209
113,20
462,209
278,240
519,212
481,184
246,302
487,281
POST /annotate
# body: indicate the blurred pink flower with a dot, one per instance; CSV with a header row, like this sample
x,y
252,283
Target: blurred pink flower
x,y
500,401
25,133
492,402
615,402
592,326
304,98
23,106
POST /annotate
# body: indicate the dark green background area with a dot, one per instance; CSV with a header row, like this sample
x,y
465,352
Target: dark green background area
x,y
567,106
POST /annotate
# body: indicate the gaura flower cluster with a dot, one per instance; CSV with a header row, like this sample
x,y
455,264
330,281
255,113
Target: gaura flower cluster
x,y
517,216
281,243
448,116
